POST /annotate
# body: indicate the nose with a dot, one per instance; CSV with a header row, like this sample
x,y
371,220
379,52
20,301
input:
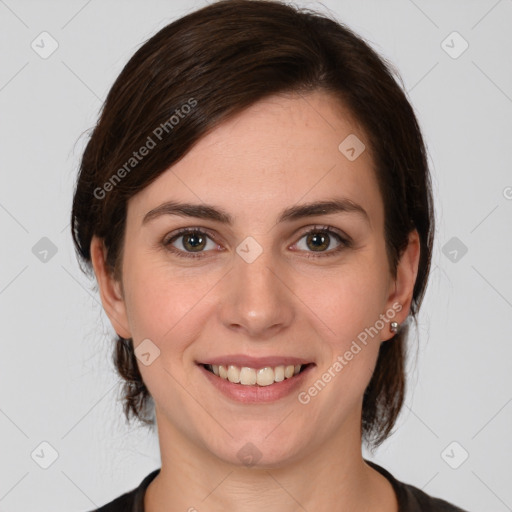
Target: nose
x,y
257,299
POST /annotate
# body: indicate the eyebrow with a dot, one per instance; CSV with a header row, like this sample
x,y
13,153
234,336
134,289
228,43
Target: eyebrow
x,y
205,211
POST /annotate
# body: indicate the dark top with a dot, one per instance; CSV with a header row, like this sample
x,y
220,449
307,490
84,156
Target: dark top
x,y
410,498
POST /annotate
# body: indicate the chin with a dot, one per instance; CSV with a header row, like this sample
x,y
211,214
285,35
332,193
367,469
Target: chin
x,y
258,450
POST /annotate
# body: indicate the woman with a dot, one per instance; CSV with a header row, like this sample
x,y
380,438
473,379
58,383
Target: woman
x,y
255,203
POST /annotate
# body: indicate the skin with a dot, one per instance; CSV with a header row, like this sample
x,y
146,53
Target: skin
x,y
278,153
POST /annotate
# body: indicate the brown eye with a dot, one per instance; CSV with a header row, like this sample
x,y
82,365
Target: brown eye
x,y
323,241
318,241
194,242
189,242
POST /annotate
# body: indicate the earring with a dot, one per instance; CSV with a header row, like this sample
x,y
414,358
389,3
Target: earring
x,y
394,327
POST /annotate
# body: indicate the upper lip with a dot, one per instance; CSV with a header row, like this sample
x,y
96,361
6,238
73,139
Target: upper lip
x,y
241,360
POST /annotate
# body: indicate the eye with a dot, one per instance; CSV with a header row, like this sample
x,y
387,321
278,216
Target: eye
x,y
320,240
190,242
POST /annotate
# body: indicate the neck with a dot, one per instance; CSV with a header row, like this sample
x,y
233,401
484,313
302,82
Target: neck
x,y
325,478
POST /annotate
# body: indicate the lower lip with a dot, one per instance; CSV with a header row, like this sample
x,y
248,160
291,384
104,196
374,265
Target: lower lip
x,y
255,393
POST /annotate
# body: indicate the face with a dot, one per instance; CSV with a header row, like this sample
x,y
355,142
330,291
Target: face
x,y
261,281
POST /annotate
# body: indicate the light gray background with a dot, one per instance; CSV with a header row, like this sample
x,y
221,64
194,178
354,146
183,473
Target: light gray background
x,y
58,384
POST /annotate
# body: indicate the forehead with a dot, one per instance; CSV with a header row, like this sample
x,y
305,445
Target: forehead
x,y
280,151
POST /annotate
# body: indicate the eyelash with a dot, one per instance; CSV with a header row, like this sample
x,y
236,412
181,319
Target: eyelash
x,y
345,242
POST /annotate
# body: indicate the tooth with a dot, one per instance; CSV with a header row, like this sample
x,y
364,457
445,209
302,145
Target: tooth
x,y
279,373
247,376
250,376
233,374
265,376
288,371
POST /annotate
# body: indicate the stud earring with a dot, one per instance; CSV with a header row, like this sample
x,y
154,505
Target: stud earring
x,y
393,326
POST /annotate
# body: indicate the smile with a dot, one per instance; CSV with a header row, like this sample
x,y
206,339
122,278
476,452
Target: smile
x,y
247,376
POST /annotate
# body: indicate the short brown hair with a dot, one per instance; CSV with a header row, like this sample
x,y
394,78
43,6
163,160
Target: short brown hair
x,y
225,57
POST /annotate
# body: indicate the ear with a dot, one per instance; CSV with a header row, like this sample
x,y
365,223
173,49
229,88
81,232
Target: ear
x,y
401,288
110,289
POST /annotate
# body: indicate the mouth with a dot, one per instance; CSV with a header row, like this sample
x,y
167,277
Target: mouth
x,y
256,377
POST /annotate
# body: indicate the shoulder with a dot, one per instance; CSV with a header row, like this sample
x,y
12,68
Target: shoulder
x,y
131,501
122,503
412,499
419,500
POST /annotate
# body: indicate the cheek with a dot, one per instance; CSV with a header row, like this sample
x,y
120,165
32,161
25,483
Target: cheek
x,y
168,310
163,304
349,301
350,322
348,308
